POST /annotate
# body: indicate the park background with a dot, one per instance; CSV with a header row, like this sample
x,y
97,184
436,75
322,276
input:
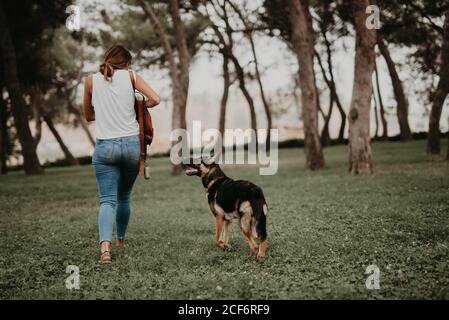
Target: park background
x,y
279,75
374,191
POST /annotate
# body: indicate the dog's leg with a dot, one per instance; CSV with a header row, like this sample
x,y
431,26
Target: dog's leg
x,y
223,233
218,230
262,249
252,244
227,232
245,227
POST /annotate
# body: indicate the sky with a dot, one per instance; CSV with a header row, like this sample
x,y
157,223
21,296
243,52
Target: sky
x,y
279,67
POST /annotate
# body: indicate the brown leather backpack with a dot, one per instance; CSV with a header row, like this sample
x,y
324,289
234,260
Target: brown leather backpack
x,y
143,117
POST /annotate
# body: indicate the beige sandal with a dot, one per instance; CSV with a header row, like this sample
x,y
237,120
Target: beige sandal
x,y
105,257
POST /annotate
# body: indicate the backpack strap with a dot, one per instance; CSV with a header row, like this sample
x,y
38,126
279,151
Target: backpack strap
x,y
139,115
132,76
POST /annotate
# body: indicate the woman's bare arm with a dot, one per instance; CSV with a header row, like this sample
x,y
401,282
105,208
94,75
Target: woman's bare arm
x,y
144,88
89,112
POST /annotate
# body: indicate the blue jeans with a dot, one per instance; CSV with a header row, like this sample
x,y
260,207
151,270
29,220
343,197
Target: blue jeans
x,y
116,165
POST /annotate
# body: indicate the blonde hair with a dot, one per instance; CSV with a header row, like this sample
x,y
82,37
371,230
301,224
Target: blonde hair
x,y
116,57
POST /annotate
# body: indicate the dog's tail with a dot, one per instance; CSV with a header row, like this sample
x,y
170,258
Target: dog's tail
x,y
260,208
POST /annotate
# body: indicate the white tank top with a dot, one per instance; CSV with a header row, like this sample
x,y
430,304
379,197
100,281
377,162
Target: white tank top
x,y
113,102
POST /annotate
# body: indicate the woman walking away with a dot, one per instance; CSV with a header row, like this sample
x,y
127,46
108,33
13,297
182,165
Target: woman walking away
x,y
109,100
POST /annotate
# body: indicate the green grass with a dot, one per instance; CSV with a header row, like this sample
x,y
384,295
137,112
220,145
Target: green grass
x,y
324,229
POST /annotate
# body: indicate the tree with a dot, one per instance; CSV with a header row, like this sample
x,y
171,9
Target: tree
x,y
360,154
43,113
55,99
414,24
330,82
3,134
30,160
401,99
225,44
67,154
376,117
179,71
68,57
303,44
248,31
381,105
447,155
433,139
27,32
225,95
327,23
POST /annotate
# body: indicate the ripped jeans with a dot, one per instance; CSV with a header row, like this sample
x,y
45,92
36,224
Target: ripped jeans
x,y
116,165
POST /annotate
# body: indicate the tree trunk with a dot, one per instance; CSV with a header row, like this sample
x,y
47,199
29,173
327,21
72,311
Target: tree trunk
x,y
68,155
433,138
3,135
303,44
238,68
226,50
381,105
360,154
341,132
37,116
447,155
38,129
179,73
30,160
224,98
180,105
325,136
83,123
401,99
265,103
85,127
183,65
249,99
376,117
333,88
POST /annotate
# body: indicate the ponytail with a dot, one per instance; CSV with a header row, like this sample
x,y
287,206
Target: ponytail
x,y
116,57
107,70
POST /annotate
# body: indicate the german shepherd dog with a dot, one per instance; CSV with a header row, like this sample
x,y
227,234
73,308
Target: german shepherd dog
x,y
233,199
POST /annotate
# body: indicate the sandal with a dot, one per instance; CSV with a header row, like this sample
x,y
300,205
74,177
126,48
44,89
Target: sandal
x,y
105,257
120,242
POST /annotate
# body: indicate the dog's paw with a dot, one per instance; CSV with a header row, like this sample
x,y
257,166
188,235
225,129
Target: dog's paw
x,y
261,258
220,244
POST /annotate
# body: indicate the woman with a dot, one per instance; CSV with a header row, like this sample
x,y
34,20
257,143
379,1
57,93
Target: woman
x,y
109,100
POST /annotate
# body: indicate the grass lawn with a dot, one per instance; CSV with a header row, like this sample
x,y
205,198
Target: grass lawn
x,y
324,229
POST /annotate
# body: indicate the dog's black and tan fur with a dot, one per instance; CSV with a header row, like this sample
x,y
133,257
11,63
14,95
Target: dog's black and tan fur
x,y
233,199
